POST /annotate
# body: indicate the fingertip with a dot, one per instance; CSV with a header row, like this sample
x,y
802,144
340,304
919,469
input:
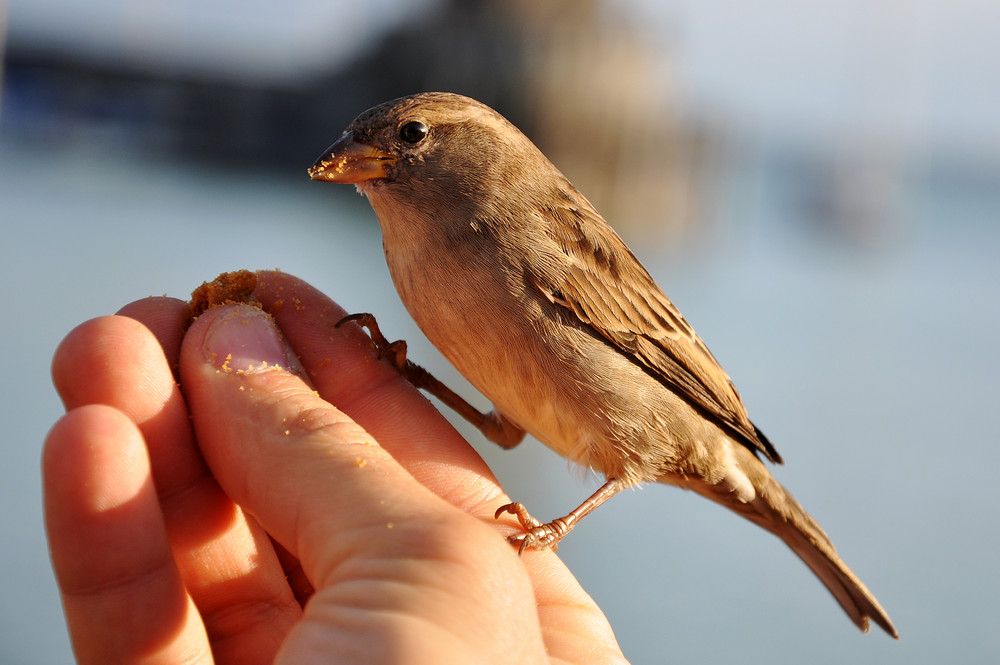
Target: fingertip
x,y
167,318
96,479
70,438
95,458
152,327
242,339
64,358
113,360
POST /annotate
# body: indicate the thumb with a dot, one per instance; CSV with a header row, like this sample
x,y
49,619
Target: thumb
x,y
313,478
375,543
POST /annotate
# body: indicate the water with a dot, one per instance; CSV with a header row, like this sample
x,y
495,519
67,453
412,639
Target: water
x,y
871,369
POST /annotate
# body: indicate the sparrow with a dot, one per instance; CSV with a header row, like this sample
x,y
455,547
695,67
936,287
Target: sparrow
x,y
519,282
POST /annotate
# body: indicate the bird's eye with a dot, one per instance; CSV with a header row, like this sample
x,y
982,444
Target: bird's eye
x,y
413,132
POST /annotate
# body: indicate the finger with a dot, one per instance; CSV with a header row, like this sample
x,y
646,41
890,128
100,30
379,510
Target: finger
x,y
254,414
226,562
167,318
373,541
117,361
123,596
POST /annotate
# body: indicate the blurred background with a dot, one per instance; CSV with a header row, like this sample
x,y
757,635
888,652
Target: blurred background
x,y
816,185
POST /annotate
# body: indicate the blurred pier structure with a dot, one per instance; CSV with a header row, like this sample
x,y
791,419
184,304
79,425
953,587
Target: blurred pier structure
x,y
575,76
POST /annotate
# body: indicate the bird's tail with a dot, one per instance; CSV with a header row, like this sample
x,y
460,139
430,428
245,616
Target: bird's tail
x,y
775,509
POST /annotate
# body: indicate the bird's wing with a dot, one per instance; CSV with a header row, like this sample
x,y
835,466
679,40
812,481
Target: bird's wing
x,y
607,288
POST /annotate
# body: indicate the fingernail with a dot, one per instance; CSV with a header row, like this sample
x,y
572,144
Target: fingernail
x,y
245,340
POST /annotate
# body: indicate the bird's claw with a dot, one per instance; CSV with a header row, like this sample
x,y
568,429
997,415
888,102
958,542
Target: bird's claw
x,y
394,352
493,425
536,534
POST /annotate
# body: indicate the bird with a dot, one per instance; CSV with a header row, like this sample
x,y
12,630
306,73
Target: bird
x,y
521,284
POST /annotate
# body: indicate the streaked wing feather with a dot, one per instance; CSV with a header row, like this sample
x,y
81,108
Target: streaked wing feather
x,y
609,290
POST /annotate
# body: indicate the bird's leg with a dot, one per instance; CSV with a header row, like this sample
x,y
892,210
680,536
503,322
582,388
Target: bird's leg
x,y
493,425
537,535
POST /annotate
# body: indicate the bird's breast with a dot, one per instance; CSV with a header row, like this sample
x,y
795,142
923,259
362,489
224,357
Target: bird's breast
x,y
480,313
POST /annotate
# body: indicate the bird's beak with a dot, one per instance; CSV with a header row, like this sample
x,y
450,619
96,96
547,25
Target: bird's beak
x,y
349,161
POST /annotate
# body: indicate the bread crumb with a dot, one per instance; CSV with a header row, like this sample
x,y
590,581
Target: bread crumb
x,y
229,287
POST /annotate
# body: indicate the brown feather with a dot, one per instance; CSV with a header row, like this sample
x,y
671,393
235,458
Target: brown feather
x,y
607,288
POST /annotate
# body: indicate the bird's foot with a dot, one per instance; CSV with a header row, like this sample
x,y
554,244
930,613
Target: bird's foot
x,y
536,534
493,425
394,352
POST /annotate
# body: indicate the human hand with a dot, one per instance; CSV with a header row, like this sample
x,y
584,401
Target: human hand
x,y
251,520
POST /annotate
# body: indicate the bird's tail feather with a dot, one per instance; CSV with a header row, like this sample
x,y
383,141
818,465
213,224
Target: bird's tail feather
x,y
776,510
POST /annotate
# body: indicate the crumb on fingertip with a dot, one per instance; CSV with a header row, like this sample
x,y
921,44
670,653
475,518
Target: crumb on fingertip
x,y
229,287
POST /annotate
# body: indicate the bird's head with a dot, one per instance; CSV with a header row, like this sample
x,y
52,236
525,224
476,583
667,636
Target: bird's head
x,y
434,149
